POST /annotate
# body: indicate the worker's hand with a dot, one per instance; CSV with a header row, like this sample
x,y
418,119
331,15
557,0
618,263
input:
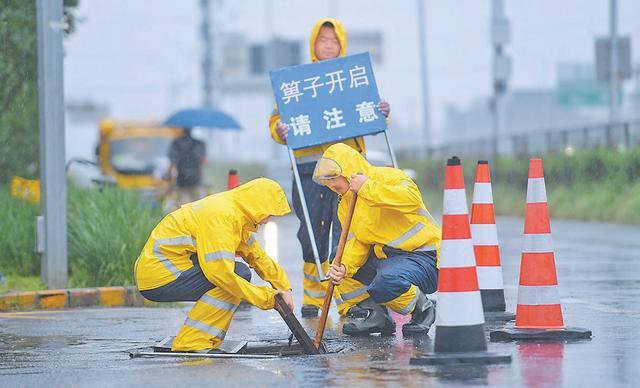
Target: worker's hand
x,y
336,273
282,130
357,180
384,107
287,297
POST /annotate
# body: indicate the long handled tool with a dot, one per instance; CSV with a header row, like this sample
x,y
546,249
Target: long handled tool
x,y
337,261
296,328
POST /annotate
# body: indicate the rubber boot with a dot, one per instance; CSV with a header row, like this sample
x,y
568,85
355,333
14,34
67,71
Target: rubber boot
x,y
378,321
422,317
357,312
309,311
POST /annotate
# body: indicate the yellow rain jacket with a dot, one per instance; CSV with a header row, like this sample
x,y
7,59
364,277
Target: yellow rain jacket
x,y
389,212
217,228
312,154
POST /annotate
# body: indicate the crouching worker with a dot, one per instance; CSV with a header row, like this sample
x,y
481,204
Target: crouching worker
x,y
190,256
391,249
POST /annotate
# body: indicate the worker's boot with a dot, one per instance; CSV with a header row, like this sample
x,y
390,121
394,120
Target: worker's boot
x,y
377,321
357,312
309,311
422,317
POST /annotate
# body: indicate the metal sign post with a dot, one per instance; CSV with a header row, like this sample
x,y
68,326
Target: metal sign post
x,y
307,219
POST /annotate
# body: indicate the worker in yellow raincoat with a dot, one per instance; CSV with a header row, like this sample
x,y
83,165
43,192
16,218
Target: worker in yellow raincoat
x,y
328,40
392,245
190,256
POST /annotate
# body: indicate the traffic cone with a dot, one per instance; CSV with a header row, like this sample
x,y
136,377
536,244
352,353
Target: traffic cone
x,y
459,317
538,314
233,180
486,248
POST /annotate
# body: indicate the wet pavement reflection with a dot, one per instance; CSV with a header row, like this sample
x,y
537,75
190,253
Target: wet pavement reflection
x,y
599,279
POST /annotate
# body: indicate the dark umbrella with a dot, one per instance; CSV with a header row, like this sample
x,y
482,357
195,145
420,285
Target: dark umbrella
x,y
202,117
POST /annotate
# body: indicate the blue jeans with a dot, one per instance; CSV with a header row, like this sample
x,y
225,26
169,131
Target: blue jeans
x,y
391,277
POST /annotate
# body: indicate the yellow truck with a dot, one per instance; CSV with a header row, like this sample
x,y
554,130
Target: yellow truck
x,y
135,155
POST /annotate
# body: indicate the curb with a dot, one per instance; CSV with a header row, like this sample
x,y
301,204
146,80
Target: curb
x,y
73,297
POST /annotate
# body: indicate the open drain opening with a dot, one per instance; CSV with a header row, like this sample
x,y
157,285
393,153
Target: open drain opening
x,y
232,349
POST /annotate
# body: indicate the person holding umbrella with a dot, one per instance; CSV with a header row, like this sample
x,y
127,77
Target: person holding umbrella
x,y
187,156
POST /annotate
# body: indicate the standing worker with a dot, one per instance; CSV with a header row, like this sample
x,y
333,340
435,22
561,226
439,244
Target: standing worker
x,y
187,156
328,41
190,256
393,243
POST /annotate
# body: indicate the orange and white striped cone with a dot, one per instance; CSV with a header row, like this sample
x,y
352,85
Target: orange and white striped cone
x,y
538,314
459,317
233,180
485,246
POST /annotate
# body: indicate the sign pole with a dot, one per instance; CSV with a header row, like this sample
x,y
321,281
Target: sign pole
x,y
307,219
393,154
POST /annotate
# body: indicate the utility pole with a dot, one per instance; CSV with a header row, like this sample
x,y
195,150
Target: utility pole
x,y
614,72
500,36
425,136
207,47
53,199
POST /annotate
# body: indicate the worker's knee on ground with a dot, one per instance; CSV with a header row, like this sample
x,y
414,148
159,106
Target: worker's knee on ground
x,y
242,270
386,287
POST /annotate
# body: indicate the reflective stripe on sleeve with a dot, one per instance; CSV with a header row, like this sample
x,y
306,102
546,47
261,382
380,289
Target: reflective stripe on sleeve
x,y
406,235
425,213
218,255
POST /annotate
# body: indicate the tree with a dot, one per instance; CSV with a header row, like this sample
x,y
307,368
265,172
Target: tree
x,y
19,149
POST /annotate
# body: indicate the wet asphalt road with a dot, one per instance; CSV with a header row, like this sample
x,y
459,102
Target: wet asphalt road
x,y
599,274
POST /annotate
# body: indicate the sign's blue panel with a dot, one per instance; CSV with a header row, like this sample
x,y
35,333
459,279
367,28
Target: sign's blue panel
x,y
326,101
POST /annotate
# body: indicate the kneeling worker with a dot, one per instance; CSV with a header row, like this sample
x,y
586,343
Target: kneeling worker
x,y
391,249
190,256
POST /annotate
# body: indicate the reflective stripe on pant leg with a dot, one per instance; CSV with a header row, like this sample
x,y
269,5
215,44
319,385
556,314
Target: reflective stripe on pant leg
x,y
207,322
314,289
351,292
405,303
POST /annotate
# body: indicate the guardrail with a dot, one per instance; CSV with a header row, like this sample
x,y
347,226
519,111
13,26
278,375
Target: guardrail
x,y
616,136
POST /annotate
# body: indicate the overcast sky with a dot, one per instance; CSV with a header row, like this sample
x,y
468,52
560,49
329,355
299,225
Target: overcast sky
x,y
142,57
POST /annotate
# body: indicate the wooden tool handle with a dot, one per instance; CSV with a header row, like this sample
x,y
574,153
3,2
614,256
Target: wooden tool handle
x,y
337,260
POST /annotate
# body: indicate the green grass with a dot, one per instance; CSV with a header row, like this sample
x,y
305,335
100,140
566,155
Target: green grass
x,y
17,236
21,283
107,230
593,185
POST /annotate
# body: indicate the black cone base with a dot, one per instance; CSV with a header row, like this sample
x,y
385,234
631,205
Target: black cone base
x,y
569,333
460,339
498,316
493,300
446,358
